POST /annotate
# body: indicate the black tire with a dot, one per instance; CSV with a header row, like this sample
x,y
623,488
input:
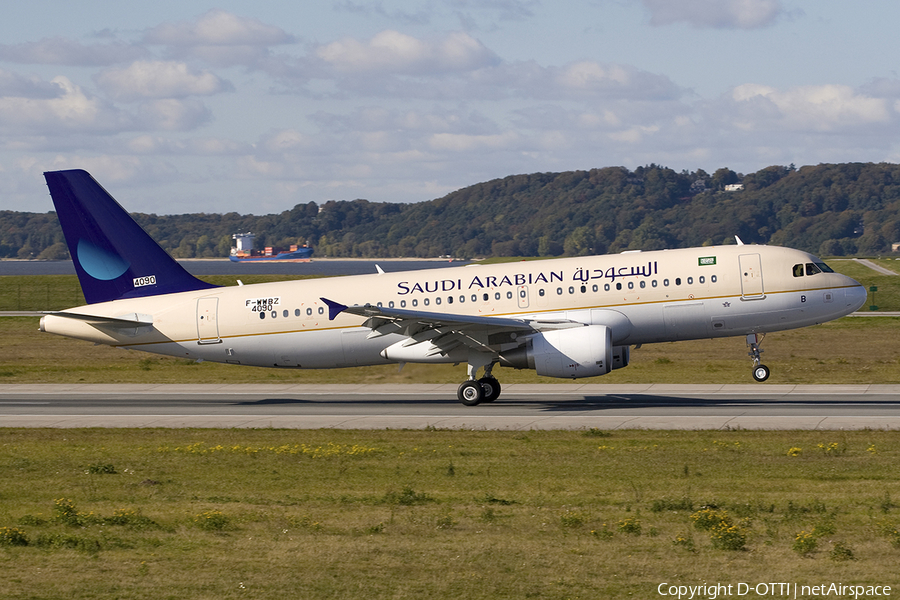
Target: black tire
x,y
491,388
470,393
760,373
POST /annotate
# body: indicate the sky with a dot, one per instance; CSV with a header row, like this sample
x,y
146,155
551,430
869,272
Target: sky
x,y
190,106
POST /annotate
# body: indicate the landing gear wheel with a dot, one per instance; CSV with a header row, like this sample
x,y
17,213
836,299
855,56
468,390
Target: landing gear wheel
x,y
760,372
491,388
470,393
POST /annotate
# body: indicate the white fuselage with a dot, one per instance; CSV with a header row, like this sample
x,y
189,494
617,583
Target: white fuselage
x,y
642,297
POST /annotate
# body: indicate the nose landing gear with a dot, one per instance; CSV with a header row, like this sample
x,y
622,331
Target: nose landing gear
x,y
760,371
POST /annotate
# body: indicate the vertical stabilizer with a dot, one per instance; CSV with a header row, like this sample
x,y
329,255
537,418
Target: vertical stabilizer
x,y
113,256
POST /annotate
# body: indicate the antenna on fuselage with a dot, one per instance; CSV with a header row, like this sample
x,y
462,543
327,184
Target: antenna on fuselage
x,y
738,240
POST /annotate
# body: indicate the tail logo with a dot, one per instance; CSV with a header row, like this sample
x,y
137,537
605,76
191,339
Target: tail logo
x,y
99,263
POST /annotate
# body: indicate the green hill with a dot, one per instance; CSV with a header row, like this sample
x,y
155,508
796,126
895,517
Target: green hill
x,y
827,209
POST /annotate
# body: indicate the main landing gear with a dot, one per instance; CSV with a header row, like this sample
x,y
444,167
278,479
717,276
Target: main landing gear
x,y
760,371
475,391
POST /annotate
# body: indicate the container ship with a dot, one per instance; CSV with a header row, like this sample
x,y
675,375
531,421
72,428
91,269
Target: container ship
x,y
242,251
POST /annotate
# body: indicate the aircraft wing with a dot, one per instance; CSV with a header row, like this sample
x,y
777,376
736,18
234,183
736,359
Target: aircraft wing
x,y
446,331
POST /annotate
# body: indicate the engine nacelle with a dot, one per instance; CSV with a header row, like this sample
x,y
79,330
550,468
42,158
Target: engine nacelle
x,y
570,353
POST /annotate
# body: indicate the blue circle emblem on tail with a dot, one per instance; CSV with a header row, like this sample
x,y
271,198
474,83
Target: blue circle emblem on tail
x,y
100,263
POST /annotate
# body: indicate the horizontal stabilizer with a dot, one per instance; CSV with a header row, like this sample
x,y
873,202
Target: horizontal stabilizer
x,y
129,320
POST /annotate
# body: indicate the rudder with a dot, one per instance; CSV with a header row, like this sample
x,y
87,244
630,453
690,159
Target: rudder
x,y
113,256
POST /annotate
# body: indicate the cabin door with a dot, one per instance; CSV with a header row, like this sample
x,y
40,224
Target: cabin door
x,y
207,321
751,277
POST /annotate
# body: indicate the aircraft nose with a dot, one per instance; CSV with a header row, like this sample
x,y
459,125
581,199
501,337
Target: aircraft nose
x,y
856,297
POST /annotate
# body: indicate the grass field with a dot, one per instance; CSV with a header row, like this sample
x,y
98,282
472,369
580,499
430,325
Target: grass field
x,y
435,514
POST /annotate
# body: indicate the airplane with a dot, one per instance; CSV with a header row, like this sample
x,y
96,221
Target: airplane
x,y
566,318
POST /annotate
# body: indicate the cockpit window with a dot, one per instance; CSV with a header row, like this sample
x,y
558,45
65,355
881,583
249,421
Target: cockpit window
x,y
812,269
825,268
798,270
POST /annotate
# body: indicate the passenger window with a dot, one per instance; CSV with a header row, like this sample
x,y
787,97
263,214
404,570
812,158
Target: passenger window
x,y
509,295
296,312
595,288
618,286
541,292
262,315
322,309
474,297
713,279
798,270
308,311
630,285
559,291
571,290
690,280
285,314
583,289
486,297
462,298
449,299
403,304
415,302
436,300
653,283
643,284
274,313
702,279
496,295
390,304
666,282
678,281
426,301
605,287
812,269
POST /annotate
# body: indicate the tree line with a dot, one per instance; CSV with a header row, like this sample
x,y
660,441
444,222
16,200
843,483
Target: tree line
x,y
827,209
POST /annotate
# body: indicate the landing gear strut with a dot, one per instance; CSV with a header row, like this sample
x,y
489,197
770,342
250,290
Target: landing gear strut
x,y
475,391
760,371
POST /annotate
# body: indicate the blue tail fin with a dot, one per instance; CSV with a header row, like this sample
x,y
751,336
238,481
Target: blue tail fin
x,y
113,256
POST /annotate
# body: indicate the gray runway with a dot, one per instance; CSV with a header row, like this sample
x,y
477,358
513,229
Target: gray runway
x,y
521,407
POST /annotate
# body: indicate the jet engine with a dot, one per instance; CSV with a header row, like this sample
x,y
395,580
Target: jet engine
x,y
569,353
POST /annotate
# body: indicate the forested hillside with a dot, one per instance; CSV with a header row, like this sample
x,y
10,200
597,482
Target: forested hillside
x,y
826,209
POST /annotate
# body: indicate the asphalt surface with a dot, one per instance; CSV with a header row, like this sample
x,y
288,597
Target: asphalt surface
x,y
521,407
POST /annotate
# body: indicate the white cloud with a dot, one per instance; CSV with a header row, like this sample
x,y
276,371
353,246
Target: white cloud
x,y
14,84
172,115
808,108
220,38
394,52
720,14
64,51
71,110
159,79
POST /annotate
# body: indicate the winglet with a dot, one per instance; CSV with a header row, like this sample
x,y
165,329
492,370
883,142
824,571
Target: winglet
x,y
334,308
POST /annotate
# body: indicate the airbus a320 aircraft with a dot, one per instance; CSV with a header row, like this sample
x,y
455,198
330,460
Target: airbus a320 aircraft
x,y
570,317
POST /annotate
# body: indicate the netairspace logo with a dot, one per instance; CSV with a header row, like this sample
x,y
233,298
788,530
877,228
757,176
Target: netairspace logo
x,y
771,590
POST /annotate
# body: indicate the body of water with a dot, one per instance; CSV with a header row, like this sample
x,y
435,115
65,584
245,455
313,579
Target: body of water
x,y
226,267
